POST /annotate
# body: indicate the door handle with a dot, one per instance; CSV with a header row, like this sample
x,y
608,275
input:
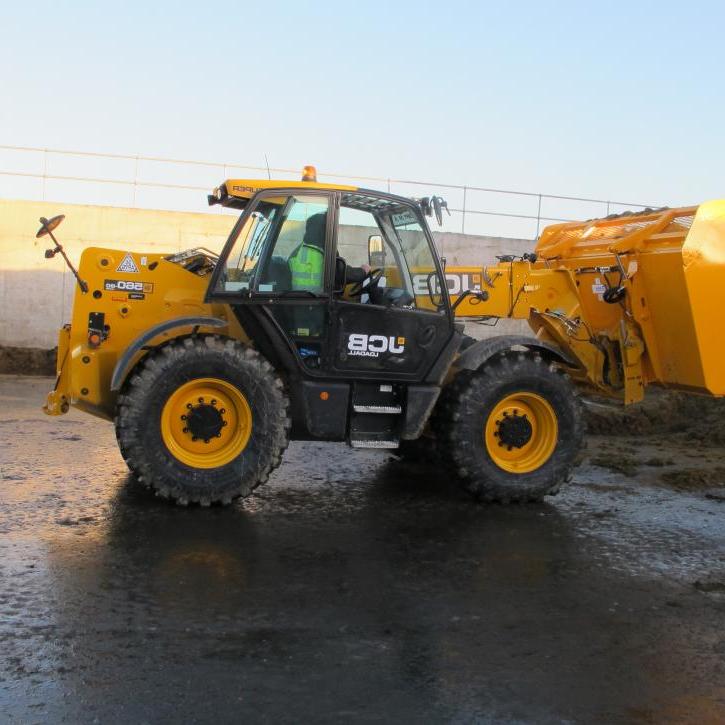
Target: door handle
x,y
426,337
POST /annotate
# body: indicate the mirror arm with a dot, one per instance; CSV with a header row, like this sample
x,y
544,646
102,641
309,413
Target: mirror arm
x,y
58,248
480,295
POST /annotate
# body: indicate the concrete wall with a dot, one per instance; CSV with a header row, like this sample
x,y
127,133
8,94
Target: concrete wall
x,y
36,293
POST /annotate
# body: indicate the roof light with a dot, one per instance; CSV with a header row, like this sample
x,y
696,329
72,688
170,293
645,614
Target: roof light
x,y
309,173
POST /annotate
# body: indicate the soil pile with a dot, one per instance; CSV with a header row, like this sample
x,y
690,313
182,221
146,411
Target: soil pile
x,y
27,361
692,416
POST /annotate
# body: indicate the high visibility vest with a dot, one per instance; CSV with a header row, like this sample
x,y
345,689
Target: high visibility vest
x,y
306,266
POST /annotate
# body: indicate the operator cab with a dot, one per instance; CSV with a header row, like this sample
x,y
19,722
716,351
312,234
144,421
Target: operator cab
x,y
336,283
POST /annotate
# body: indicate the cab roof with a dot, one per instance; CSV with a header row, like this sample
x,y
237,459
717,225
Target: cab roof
x,y
237,192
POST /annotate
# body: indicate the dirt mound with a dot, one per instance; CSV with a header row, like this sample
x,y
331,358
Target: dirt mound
x,y
694,417
27,361
693,479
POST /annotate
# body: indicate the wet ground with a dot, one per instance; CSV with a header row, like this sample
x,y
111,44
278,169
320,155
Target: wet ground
x,y
355,588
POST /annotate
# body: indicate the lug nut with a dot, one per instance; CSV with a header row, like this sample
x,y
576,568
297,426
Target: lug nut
x,y
222,410
185,430
213,401
193,438
223,423
189,406
183,417
201,400
218,435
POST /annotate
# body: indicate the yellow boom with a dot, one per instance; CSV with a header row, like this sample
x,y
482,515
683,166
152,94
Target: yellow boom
x,y
635,299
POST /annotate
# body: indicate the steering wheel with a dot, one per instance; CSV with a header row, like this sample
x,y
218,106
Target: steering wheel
x,y
373,276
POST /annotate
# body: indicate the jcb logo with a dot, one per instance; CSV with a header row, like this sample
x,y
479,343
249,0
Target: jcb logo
x,y
456,283
374,345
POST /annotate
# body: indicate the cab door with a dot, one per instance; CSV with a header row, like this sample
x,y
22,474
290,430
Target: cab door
x,y
274,272
395,323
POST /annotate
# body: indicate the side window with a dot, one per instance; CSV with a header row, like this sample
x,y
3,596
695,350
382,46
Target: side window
x,y
365,246
419,260
296,260
280,247
355,228
241,264
388,238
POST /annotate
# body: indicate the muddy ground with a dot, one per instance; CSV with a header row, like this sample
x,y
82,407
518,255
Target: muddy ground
x,y
354,587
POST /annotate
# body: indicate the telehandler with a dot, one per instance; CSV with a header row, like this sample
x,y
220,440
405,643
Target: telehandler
x,y
329,316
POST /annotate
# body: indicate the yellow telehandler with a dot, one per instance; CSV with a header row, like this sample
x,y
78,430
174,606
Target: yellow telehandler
x,y
329,316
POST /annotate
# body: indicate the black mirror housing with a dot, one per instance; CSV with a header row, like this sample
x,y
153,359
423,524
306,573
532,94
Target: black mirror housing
x,y
340,272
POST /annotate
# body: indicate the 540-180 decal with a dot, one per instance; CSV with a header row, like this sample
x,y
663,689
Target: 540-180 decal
x,y
124,285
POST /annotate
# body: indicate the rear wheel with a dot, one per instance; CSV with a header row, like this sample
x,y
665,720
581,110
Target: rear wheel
x,y
512,430
203,420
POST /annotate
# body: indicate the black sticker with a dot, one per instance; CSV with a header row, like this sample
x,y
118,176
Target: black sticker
x,y
124,285
136,296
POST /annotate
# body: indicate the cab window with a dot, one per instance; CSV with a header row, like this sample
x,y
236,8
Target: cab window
x,y
388,238
420,263
280,248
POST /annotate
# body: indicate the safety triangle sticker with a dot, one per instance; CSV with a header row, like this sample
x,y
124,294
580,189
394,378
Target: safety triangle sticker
x,y
127,265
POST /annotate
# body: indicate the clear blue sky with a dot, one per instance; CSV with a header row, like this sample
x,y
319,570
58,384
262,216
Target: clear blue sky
x,y
603,99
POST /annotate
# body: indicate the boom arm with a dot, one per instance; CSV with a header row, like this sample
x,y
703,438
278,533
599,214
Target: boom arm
x,y
634,298
549,299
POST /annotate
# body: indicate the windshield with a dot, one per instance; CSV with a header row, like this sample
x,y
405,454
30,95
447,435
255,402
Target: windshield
x,y
248,245
419,259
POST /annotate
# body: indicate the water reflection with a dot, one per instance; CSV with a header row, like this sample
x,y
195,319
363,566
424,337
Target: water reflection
x,y
373,593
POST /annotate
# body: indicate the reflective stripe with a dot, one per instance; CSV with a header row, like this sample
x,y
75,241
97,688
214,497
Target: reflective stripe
x,y
306,266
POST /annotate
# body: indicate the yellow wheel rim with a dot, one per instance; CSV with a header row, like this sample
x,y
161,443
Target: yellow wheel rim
x,y
521,432
206,423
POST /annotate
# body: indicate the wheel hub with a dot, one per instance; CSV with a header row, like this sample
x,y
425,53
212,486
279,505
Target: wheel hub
x,y
204,421
514,430
521,432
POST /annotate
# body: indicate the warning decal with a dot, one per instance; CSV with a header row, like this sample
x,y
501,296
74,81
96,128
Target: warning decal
x,y
128,265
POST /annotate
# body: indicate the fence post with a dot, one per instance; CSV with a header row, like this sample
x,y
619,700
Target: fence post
x,y
45,172
538,218
463,215
135,180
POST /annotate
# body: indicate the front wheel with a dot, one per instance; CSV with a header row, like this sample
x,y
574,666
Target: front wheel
x,y
203,420
512,430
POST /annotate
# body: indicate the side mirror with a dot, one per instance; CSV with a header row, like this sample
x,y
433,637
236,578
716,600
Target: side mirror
x,y
340,273
49,225
376,251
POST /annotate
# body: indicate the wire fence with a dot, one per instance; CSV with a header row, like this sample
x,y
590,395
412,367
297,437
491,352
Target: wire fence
x,y
154,182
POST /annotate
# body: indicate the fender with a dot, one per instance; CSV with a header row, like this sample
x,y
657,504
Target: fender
x,y
124,362
477,354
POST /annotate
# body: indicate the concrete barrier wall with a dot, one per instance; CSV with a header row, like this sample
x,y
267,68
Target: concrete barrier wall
x,y
36,293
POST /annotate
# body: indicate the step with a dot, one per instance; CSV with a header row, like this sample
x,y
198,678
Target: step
x,y
367,443
387,409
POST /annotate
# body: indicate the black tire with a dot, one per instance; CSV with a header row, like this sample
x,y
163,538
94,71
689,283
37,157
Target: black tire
x,y
472,398
421,451
158,376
